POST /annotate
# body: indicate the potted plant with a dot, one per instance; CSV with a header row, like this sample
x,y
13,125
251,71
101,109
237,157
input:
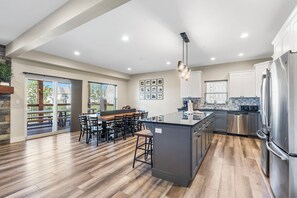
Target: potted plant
x,y
5,74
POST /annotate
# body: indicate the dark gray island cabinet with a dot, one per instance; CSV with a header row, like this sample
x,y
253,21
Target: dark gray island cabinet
x,y
180,143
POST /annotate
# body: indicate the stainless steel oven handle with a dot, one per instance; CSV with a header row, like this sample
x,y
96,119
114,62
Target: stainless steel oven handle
x,y
261,135
280,154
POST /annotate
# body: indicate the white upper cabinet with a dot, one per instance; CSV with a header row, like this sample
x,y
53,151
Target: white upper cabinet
x,y
242,84
260,69
294,33
286,38
191,88
235,85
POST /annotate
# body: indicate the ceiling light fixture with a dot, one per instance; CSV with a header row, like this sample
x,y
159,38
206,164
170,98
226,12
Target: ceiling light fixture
x,y
76,53
240,54
129,69
244,35
168,63
213,58
125,38
182,66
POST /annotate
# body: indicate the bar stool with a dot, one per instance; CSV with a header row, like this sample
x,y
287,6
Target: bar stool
x,y
148,147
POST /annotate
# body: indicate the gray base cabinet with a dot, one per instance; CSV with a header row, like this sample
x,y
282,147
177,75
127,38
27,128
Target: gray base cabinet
x,y
179,150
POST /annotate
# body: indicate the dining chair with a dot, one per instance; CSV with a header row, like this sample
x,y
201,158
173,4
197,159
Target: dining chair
x,y
118,127
95,127
129,124
83,122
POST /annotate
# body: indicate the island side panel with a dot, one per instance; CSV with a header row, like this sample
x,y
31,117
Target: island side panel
x,y
172,153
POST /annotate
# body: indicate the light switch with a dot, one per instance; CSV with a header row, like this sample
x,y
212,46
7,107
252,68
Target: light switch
x,y
158,130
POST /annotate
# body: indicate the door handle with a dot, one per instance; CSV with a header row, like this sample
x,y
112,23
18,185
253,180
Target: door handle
x,y
280,154
261,135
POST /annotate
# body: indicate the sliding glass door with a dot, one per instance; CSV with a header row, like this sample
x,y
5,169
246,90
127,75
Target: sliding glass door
x,y
48,105
100,93
40,102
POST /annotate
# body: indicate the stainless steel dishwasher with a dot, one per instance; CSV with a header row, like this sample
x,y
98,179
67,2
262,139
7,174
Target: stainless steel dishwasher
x,y
238,123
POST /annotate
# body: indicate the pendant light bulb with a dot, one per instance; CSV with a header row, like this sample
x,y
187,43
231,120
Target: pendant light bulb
x,y
180,66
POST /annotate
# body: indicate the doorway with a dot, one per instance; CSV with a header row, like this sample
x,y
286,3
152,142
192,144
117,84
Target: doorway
x,y
48,105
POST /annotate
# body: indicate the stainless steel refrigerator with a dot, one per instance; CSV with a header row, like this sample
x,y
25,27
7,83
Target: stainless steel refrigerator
x,y
263,133
283,134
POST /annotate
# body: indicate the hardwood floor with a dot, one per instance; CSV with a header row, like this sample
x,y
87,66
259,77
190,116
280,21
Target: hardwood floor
x,y
60,166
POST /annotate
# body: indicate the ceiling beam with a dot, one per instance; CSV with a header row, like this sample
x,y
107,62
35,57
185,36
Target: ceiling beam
x,y
40,57
68,17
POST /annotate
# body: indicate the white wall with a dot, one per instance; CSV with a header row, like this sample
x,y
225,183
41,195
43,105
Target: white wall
x,y
171,100
18,100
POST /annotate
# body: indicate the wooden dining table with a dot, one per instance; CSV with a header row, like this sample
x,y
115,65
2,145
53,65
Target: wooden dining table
x,y
107,118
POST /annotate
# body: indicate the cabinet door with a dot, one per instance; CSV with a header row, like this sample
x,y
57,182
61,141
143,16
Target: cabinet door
x,y
235,85
195,84
286,40
260,70
294,34
248,84
278,49
194,155
184,88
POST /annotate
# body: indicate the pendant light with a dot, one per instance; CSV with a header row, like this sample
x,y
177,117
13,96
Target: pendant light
x,y
182,66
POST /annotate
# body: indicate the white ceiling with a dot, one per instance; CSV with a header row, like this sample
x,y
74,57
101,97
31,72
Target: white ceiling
x,y
213,26
17,16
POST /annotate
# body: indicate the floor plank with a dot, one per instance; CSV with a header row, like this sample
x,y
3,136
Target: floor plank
x,y
60,166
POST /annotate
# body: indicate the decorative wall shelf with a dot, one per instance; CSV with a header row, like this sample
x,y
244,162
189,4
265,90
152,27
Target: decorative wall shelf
x,y
6,90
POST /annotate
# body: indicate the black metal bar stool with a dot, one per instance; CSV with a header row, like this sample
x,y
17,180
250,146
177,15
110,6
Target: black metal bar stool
x,y
147,147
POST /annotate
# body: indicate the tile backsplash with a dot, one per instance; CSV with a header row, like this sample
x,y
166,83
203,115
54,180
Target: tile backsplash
x,y
232,104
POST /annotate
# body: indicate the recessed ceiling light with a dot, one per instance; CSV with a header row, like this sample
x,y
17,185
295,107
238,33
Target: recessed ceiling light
x,y
168,63
244,35
213,58
129,69
240,54
76,53
125,38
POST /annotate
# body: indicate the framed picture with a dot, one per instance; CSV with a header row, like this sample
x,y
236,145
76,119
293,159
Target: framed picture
x,y
141,96
154,89
160,81
153,96
160,96
147,89
147,82
142,90
141,83
160,89
154,82
147,96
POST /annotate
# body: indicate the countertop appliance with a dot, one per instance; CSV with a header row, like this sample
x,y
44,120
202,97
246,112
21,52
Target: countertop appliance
x,y
244,122
263,133
283,133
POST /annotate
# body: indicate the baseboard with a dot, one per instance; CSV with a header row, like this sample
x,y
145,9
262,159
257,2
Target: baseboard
x,y
17,139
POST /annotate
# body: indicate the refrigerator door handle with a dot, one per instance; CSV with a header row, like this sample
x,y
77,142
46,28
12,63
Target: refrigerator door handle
x,y
277,152
261,135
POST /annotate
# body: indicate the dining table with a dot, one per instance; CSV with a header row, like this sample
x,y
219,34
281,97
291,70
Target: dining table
x,y
109,118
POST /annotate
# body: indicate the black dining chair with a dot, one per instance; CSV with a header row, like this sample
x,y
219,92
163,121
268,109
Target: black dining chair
x,y
95,127
129,124
118,127
83,122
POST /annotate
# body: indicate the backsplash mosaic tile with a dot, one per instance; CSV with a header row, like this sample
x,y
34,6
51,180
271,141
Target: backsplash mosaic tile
x,y
232,104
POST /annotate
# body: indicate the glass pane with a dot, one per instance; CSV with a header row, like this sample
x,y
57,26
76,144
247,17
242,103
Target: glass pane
x,y
64,105
40,107
109,93
94,97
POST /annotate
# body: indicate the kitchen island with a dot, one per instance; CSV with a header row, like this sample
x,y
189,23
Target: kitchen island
x,y
180,144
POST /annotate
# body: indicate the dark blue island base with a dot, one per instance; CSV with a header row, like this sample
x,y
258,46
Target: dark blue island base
x,y
180,144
